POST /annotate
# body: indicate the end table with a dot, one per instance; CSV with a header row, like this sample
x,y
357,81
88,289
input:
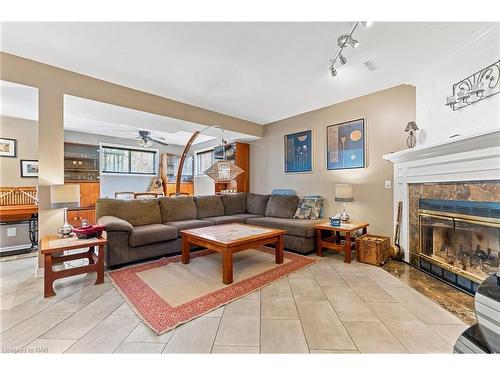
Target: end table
x,y
52,247
334,242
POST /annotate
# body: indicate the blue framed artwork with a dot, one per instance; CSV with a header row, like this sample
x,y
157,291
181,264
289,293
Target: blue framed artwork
x,y
298,152
345,145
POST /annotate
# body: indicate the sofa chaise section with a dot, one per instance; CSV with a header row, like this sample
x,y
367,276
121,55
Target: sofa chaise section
x,y
135,230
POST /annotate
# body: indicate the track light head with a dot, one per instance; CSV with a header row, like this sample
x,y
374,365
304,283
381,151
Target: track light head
x,y
333,71
347,40
342,59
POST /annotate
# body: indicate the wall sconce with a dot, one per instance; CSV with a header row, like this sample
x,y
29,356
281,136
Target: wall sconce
x,y
479,86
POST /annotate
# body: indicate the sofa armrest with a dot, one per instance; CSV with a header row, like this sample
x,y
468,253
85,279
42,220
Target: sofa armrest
x,y
115,224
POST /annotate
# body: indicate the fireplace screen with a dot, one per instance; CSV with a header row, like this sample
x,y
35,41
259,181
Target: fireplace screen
x,y
459,241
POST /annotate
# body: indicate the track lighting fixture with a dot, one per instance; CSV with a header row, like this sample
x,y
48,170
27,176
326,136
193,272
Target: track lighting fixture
x,y
333,71
343,41
347,40
342,59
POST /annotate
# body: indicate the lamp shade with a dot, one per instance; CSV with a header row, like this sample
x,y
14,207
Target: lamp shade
x,y
223,171
65,196
411,127
343,193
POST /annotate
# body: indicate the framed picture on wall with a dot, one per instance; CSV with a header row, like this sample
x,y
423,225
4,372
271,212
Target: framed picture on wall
x,y
298,152
29,168
345,145
8,147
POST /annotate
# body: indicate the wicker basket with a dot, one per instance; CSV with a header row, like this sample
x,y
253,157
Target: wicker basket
x,y
373,249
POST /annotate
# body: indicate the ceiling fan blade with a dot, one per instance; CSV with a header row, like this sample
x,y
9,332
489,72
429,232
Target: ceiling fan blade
x,y
159,142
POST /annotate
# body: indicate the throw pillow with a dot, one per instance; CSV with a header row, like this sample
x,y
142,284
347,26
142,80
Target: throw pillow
x,y
309,208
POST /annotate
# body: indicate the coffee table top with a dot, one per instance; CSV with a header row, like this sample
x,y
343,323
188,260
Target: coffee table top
x,y
230,234
344,227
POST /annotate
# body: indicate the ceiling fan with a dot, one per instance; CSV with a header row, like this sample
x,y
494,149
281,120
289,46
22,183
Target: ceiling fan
x,y
146,140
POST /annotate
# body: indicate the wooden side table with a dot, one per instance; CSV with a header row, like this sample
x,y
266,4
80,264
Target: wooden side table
x,y
334,241
51,249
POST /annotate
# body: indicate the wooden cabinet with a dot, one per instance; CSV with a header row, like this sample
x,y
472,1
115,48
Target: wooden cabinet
x,y
239,153
89,193
75,217
186,188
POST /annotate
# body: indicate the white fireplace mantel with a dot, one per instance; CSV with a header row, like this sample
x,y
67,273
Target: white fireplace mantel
x,y
467,158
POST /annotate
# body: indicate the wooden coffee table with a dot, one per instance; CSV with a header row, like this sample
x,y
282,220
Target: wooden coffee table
x,y
52,249
229,239
334,241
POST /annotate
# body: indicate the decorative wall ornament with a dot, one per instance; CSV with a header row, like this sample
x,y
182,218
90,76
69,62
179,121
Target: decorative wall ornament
x,y
345,143
478,86
298,152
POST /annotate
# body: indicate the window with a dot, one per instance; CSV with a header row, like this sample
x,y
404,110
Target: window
x,y
127,160
204,160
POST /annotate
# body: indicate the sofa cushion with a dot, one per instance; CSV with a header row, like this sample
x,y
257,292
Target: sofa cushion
x,y
234,203
282,206
218,220
293,227
246,216
309,208
177,208
137,212
209,205
190,224
257,203
151,233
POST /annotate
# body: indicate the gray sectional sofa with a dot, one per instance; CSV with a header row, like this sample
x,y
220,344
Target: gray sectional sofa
x,y
148,228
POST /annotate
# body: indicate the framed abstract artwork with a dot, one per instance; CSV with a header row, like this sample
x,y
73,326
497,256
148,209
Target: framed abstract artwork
x,y
29,168
8,147
345,145
298,153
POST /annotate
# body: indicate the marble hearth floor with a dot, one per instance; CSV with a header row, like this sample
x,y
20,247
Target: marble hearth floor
x,y
331,307
458,303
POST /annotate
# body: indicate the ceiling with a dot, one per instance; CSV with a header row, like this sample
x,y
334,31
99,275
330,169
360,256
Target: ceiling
x,y
260,72
94,117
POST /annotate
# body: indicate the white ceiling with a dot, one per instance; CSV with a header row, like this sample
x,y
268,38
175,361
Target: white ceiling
x,y
93,117
261,72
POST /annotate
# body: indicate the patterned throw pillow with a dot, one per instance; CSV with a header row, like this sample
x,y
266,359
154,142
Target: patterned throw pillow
x,y
309,208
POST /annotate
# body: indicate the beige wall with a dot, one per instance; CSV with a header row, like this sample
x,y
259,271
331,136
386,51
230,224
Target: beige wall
x,y
386,114
26,134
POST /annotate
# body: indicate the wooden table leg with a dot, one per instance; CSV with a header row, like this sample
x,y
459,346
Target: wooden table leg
x,y
319,249
48,288
185,250
279,249
227,267
347,257
100,265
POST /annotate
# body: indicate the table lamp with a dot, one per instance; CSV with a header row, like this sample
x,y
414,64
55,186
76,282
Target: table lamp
x,y
343,193
65,196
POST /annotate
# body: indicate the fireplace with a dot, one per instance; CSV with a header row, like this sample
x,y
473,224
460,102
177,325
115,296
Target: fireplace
x,y
459,240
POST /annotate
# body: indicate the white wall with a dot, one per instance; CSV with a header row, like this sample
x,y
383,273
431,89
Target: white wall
x,y
111,184
437,121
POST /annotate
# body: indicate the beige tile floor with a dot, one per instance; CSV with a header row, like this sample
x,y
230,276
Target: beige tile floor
x,y
331,307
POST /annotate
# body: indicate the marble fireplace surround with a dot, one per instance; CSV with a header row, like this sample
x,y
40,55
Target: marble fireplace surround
x,y
470,164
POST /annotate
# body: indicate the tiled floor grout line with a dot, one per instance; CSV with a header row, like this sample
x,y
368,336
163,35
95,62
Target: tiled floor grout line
x,y
45,308
298,315
217,331
91,328
132,330
333,307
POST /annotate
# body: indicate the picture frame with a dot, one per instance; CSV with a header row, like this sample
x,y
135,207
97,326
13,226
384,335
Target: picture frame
x,y
298,153
8,147
29,168
346,145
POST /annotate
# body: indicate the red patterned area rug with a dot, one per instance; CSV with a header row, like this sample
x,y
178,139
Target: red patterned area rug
x,y
166,293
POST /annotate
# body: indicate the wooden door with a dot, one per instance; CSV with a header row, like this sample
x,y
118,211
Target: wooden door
x,y
89,193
